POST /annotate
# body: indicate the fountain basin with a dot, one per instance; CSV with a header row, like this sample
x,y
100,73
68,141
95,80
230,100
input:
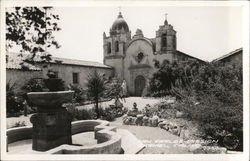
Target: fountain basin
x,y
50,99
108,141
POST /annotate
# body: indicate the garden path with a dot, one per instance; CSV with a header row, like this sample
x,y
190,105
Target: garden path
x,y
156,140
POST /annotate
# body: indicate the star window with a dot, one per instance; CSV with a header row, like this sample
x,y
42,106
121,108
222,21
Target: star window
x,y
140,56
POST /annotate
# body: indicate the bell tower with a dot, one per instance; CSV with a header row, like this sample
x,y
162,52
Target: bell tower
x,y
114,45
165,38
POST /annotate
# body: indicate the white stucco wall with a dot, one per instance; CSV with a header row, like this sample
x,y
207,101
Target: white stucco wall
x,y
117,64
20,78
132,51
137,46
65,72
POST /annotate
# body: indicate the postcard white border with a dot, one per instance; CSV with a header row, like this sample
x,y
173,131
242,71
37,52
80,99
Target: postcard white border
x,y
78,3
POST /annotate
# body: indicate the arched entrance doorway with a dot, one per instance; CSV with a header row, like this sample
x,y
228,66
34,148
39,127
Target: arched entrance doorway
x,y
140,83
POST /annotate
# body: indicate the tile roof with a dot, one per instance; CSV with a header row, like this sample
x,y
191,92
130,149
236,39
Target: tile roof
x,y
14,62
182,53
78,62
229,54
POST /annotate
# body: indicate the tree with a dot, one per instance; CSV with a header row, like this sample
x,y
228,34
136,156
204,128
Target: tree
x,y
31,28
114,90
95,88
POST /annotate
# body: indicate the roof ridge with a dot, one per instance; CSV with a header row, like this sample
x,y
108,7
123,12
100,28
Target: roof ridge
x,y
228,54
66,61
75,59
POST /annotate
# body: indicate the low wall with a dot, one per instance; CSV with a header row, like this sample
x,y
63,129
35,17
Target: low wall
x,y
109,142
19,133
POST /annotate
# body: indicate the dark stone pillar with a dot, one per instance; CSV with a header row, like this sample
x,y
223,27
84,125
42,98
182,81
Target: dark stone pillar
x,y
51,129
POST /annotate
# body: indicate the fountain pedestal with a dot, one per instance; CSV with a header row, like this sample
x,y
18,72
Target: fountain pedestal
x,y
52,123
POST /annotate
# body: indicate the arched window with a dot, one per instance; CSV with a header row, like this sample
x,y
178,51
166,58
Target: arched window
x,y
164,40
109,47
116,46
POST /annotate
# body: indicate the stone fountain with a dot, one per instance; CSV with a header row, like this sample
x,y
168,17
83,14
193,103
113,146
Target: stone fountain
x,y
52,122
53,129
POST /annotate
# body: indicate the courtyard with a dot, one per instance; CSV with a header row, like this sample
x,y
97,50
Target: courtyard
x,y
155,140
144,134
139,95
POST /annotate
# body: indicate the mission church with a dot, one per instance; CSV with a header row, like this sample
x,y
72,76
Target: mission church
x,y
130,58
133,58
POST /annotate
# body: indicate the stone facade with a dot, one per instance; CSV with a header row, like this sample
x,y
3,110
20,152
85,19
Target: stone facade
x,y
133,58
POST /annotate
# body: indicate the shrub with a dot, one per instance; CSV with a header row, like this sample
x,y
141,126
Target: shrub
x,y
34,85
14,104
173,75
80,114
108,113
163,109
86,114
111,112
79,93
210,94
214,117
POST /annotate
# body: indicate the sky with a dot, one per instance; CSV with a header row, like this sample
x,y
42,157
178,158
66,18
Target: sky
x,y
203,32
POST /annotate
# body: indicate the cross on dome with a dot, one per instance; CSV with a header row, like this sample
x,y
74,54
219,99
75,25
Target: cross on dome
x,y
166,21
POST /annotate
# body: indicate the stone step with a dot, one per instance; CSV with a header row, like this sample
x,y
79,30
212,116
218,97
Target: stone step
x,y
130,143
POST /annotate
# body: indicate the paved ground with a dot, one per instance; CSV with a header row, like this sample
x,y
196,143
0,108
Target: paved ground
x,y
156,140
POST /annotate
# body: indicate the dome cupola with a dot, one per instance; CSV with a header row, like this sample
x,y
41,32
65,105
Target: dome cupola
x,y
120,23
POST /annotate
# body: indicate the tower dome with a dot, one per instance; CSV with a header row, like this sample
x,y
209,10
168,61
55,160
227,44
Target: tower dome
x,y
120,23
